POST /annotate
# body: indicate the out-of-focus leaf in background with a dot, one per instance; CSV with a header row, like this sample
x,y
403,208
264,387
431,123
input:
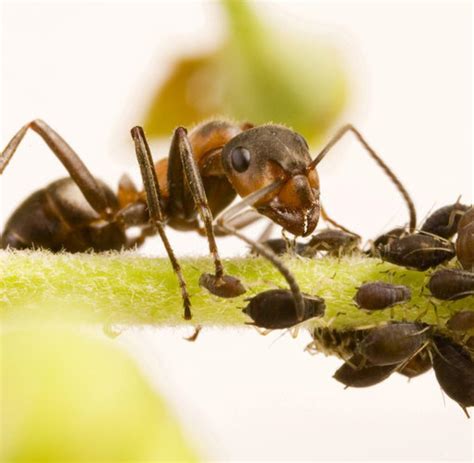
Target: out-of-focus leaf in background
x,y
258,75
71,397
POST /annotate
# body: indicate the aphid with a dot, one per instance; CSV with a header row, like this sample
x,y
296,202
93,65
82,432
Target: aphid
x,y
454,369
205,171
393,343
444,221
419,364
378,295
461,321
334,242
417,251
389,236
465,241
328,341
281,246
275,309
450,284
357,372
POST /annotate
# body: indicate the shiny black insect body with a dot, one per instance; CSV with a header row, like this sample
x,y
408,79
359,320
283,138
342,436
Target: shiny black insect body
x,y
417,251
275,309
393,343
451,284
358,372
444,221
378,295
465,240
454,369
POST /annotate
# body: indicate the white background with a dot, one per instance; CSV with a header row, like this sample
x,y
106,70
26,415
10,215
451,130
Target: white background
x,y
86,69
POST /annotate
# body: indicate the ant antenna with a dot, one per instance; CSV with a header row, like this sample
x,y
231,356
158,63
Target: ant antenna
x,y
376,158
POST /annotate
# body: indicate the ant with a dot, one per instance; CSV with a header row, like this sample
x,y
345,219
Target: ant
x,y
269,166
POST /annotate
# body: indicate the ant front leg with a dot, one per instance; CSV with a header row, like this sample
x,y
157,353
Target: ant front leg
x,y
68,157
153,195
181,161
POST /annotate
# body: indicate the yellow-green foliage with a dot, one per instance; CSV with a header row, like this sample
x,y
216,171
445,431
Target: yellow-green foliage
x,y
122,288
69,397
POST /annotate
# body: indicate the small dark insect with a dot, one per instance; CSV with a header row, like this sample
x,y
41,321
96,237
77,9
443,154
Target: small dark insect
x,y
357,372
334,242
454,370
450,284
328,341
385,239
465,241
280,246
419,364
275,309
379,295
417,251
461,321
393,343
444,221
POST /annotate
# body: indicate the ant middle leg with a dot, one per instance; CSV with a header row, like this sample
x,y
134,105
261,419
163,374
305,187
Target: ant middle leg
x,y
81,175
184,179
377,159
152,189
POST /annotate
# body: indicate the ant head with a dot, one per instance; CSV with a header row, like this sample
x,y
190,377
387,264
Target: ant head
x,y
263,155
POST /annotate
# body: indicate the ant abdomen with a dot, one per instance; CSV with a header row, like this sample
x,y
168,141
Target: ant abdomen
x,y
59,217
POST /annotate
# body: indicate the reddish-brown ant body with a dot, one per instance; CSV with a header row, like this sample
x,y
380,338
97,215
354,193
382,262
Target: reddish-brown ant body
x,y
269,166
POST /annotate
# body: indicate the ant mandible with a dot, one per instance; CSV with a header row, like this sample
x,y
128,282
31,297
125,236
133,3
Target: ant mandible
x,y
269,165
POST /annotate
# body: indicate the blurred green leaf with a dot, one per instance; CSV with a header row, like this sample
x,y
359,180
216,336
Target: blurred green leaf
x,y
69,397
257,75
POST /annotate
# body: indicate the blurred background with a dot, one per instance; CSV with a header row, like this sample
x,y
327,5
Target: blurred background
x,y
401,72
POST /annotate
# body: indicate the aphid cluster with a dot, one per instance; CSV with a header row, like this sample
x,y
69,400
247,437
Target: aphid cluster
x,y
410,349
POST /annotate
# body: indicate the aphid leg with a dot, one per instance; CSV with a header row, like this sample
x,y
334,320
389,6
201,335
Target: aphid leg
x,y
377,159
194,336
68,157
153,196
181,150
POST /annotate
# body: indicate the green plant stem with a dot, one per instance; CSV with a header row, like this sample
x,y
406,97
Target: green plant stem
x,y
123,288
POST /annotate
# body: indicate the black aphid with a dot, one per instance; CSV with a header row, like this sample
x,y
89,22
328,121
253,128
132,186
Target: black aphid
x,y
334,242
444,221
275,309
461,321
465,240
389,236
393,343
454,370
357,372
417,251
280,246
419,364
451,284
378,295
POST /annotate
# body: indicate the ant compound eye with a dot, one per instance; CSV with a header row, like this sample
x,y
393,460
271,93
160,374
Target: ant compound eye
x,y
240,158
